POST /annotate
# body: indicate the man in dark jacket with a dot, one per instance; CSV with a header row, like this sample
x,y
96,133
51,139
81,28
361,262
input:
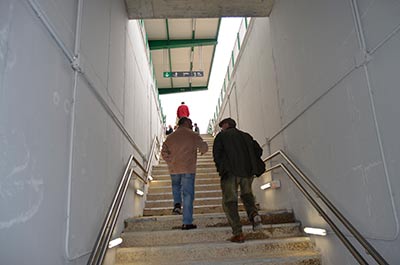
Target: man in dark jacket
x,y
237,158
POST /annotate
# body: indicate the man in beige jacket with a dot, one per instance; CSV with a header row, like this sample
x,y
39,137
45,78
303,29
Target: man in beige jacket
x,y
180,152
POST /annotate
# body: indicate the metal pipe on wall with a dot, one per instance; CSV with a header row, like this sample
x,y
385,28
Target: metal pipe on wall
x,y
76,67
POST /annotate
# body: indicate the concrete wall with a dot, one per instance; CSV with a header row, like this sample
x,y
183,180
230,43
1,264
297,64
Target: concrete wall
x,y
323,86
65,136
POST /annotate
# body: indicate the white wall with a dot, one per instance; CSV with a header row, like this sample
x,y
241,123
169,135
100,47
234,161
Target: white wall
x,y
65,137
306,86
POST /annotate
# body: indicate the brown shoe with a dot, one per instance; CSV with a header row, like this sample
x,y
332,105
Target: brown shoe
x,y
237,239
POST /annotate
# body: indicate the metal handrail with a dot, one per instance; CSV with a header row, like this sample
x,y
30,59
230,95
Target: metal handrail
x,y
368,247
153,148
100,246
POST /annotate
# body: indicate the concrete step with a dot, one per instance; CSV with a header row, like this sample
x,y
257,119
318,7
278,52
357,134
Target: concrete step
x,y
267,248
158,223
200,160
198,181
218,234
197,209
164,171
208,162
199,187
168,195
291,258
207,157
170,203
198,176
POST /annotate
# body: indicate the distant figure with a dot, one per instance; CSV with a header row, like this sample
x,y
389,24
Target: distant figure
x,y
237,159
180,152
169,130
183,111
196,129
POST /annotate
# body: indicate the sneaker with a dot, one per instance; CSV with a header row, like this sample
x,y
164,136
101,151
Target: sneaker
x,y
177,209
188,227
237,239
257,223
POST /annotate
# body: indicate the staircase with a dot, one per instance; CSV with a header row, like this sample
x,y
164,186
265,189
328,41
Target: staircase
x,y
156,238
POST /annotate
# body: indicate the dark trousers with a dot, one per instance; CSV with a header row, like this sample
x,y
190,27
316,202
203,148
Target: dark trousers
x,y
229,187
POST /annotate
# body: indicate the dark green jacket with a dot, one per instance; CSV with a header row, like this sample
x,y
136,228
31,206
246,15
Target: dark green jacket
x,y
236,153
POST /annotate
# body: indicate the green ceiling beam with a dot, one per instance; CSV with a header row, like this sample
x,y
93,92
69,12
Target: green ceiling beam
x,y
171,44
163,91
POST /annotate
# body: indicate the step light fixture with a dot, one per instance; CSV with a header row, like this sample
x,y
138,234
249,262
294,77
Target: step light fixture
x,y
315,231
114,242
265,186
139,192
274,184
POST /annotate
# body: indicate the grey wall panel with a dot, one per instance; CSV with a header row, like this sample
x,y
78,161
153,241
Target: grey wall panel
x,y
6,16
117,54
89,172
379,19
384,76
313,55
97,143
331,127
140,106
95,42
141,80
97,167
335,142
36,110
62,15
130,77
336,139
255,79
33,139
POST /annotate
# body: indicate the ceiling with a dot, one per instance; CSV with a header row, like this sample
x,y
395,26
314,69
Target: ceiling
x,y
182,52
143,9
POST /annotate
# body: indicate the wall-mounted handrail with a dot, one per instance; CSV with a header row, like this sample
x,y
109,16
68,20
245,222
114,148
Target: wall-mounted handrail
x,y
100,246
154,146
368,247
140,177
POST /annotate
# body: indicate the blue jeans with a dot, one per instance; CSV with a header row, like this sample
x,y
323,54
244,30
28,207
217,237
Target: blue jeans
x,y
183,186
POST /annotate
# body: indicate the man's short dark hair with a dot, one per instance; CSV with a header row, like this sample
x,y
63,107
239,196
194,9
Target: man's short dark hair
x,y
183,120
182,102
231,122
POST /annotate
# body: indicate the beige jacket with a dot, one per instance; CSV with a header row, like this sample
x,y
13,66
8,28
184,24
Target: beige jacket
x,y
179,150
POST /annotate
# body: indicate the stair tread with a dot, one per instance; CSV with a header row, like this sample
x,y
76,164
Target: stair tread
x,y
200,191
219,244
312,258
223,249
194,207
204,215
165,222
200,199
205,234
292,258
